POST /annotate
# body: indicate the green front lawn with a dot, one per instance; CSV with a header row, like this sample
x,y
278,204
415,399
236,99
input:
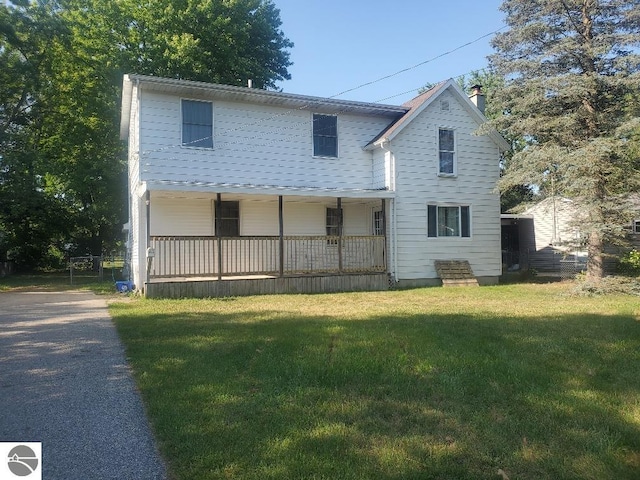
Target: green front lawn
x,y
425,384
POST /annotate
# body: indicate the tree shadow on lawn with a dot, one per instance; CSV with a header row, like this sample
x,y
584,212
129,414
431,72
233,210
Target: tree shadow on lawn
x,y
414,396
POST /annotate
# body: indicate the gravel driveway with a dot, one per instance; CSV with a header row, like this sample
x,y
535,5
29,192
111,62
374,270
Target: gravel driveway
x,y
64,381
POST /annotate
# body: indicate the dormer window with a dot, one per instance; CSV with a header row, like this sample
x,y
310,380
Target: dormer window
x,y
197,124
325,135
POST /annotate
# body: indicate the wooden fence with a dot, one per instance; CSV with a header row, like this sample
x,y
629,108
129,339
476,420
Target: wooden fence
x,y
182,256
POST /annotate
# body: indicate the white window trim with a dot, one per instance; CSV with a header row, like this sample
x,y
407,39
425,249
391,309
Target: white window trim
x,y
182,145
455,151
635,226
313,153
456,237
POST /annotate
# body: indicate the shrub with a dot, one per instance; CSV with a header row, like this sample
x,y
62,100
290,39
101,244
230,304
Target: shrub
x,y
610,285
630,263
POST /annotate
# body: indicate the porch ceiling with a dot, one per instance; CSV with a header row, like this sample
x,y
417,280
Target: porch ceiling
x,y
207,187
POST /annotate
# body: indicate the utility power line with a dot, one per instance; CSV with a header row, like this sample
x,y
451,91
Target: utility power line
x,y
418,64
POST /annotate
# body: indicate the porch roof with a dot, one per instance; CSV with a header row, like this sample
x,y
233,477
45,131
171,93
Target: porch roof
x,y
211,187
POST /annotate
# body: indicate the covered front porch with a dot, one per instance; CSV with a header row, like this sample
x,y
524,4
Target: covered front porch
x,y
210,245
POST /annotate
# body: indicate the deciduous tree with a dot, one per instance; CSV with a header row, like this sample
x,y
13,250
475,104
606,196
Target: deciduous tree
x,y
61,67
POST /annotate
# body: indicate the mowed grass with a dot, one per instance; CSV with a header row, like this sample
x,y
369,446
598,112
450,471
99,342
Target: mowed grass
x,y
424,384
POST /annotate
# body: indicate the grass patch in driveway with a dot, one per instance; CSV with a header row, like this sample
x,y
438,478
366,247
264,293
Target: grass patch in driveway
x,y
425,383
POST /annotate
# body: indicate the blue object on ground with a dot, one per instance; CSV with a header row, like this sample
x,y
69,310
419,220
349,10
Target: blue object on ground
x,y
124,286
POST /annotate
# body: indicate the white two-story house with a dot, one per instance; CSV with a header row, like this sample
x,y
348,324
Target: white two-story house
x,y
236,190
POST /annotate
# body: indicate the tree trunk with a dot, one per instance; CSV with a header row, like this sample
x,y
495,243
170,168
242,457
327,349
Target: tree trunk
x,y
595,250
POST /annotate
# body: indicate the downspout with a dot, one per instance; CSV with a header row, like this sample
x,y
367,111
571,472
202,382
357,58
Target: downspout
x,y
393,224
149,252
394,232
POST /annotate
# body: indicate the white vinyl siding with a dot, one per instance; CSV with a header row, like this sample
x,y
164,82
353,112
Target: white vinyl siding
x,y
553,226
181,216
255,145
259,218
416,157
136,231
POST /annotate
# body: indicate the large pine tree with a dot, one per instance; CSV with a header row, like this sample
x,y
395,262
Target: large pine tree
x,y
572,70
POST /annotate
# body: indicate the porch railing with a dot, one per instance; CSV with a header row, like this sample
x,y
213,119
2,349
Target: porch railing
x,y
211,256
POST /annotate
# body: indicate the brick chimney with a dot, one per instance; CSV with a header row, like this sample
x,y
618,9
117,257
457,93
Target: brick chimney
x,y
477,97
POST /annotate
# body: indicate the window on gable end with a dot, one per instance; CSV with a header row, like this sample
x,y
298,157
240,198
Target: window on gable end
x,y
446,151
325,135
197,124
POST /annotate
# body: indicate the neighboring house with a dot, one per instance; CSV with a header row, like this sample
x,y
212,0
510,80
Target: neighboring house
x,y
556,235
547,233
237,190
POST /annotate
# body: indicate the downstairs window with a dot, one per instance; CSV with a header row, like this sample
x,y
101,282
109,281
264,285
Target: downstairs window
x,y
448,221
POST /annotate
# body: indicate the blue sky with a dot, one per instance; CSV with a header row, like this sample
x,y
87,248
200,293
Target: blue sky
x,y
341,44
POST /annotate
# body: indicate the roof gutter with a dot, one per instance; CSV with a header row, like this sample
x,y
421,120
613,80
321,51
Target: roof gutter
x,y
265,96
125,111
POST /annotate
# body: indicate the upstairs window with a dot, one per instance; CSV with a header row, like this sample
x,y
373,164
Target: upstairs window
x,y
197,124
448,221
447,153
325,135
228,223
